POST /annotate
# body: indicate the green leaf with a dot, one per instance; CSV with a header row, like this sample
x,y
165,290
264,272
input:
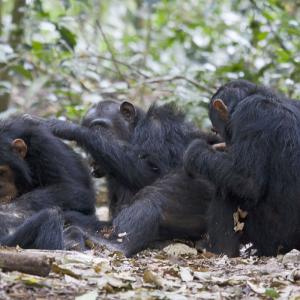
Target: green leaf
x,y
22,71
272,293
68,36
37,46
262,35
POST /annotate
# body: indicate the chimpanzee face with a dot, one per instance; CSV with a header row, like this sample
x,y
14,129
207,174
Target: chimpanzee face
x,y
8,189
12,154
117,118
14,171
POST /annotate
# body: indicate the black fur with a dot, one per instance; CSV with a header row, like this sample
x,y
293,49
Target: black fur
x,y
144,173
52,185
259,172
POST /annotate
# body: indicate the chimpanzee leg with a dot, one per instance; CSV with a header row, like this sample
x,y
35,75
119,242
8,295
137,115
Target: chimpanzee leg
x,y
44,230
164,210
222,237
137,225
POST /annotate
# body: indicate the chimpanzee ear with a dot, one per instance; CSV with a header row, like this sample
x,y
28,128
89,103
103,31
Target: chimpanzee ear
x,y
221,108
128,111
20,147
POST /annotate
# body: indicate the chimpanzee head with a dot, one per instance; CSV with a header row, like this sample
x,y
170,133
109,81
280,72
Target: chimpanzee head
x,y
223,104
15,175
117,118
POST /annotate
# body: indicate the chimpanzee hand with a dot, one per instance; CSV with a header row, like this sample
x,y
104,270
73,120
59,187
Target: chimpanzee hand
x,y
36,120
39,120
195,157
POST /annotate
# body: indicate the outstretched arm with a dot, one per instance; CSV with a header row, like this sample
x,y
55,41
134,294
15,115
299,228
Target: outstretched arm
x,y
115,156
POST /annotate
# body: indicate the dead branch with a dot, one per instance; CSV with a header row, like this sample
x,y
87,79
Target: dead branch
x,y
25,262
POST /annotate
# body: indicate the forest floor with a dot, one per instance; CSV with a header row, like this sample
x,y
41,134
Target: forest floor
x,y
175,272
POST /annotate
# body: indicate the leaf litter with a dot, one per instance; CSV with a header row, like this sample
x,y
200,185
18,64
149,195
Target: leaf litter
x,y
176,272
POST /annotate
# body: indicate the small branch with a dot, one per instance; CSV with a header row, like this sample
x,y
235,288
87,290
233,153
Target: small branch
x,y
111,52
116,61
180,77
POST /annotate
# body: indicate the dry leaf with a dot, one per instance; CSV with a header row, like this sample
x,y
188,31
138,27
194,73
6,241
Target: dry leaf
x,y
291,257
256,288
150,277
179,249
186,275
238,216
93,295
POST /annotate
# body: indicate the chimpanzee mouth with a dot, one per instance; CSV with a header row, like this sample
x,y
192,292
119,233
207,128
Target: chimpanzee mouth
x,y
214,130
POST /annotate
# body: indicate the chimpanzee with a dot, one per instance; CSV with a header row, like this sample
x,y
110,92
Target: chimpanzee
x,y
258,176
43,184
154,142
140,152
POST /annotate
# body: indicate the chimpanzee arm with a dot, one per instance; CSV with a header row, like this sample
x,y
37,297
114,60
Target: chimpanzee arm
x,y
219,167
57,195
116,157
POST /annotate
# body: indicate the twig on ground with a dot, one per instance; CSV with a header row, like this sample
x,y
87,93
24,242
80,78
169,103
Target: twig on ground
x,y
25,262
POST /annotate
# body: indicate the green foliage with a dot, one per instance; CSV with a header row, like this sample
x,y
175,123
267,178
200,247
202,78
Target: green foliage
x,y
271,293
168,50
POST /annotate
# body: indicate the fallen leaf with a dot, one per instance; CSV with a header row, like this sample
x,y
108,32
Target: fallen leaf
x,y
150,277
88,296
291,257
294,275
179,249
203,276
186,275
238,216
256,288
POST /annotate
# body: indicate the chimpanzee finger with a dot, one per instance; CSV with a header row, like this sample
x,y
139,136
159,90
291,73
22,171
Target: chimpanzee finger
x,y
219,146
33,119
